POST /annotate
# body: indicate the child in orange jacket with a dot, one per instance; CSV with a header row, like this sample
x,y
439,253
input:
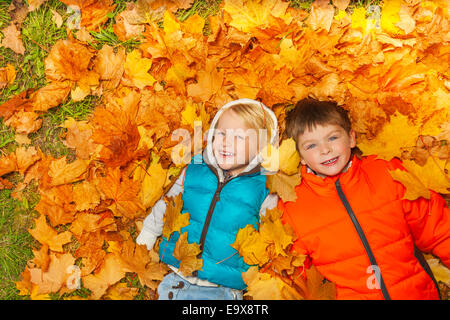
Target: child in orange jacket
x,y
350,216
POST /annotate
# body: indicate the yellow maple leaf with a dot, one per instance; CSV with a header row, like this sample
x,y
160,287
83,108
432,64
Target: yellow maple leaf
x,y
390,16
413,185
262,286
174,220
170,23
177,74
250,246
359,20
152,182
398,133
187,254
284,185
246,15
137,67
193,112
194,24
276,234
432,174
284,158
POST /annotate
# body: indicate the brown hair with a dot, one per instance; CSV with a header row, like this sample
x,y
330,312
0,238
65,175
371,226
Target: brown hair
x,y
308,113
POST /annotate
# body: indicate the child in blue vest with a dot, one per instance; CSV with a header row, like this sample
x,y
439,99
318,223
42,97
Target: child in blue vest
x,y
223,190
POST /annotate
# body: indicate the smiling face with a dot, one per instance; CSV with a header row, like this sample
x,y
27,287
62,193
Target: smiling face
x,y
234,143
326,149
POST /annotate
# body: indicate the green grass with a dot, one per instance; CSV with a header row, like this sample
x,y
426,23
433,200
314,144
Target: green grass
x,y
15,242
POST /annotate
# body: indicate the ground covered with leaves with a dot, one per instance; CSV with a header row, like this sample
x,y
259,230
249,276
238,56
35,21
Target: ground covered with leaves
x,y
91,92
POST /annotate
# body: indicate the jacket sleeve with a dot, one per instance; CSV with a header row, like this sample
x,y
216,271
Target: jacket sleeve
x,y
298,245
428,220
153,223
269,203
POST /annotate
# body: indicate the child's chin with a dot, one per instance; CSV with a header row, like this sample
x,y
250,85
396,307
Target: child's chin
x,y
331,171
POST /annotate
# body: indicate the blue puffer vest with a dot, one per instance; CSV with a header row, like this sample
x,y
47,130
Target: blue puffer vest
x,y
237,204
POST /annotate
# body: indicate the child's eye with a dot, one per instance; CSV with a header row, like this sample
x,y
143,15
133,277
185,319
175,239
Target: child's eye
x,y
220,133
333,138
310,146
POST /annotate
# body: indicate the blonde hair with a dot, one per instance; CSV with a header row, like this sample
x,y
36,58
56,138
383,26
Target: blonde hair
x,y
254,116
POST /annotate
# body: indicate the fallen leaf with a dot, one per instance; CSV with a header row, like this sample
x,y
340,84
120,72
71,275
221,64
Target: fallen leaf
x,y
13,39
109,274
124,193
136,69
284,185
250,246
414,187
7,75
46,235
174,220
187,254
62,172
57,275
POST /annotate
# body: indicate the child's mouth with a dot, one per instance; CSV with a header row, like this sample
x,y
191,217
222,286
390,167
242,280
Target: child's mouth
x,y
226,154
330,162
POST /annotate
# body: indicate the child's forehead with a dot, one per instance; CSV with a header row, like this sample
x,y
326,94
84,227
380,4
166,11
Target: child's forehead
x,y
319,130
230,120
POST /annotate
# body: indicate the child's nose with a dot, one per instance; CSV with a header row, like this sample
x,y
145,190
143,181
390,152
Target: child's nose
x,y
325,149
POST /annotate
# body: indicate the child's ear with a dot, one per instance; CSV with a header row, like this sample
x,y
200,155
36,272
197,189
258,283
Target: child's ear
x,y
352,138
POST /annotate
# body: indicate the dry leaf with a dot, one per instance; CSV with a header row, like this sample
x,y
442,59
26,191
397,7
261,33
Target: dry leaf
x,y
12,39
46,235
187,254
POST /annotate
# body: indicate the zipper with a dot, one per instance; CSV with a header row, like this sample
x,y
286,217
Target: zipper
x,y
214,201
212,206
363,238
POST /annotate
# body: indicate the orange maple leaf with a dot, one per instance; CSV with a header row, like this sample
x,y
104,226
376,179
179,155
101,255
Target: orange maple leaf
x,y
46,235
124,193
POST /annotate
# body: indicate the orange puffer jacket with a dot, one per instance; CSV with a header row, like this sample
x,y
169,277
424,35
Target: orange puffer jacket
x,y
392,227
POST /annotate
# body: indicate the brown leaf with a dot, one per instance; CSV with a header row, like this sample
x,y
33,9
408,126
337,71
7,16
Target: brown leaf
x,y
79,137
13,39
137,258
87,222
85,195
316,287
7,75
68,60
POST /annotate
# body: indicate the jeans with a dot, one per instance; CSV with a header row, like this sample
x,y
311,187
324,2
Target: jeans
x,y
173,287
